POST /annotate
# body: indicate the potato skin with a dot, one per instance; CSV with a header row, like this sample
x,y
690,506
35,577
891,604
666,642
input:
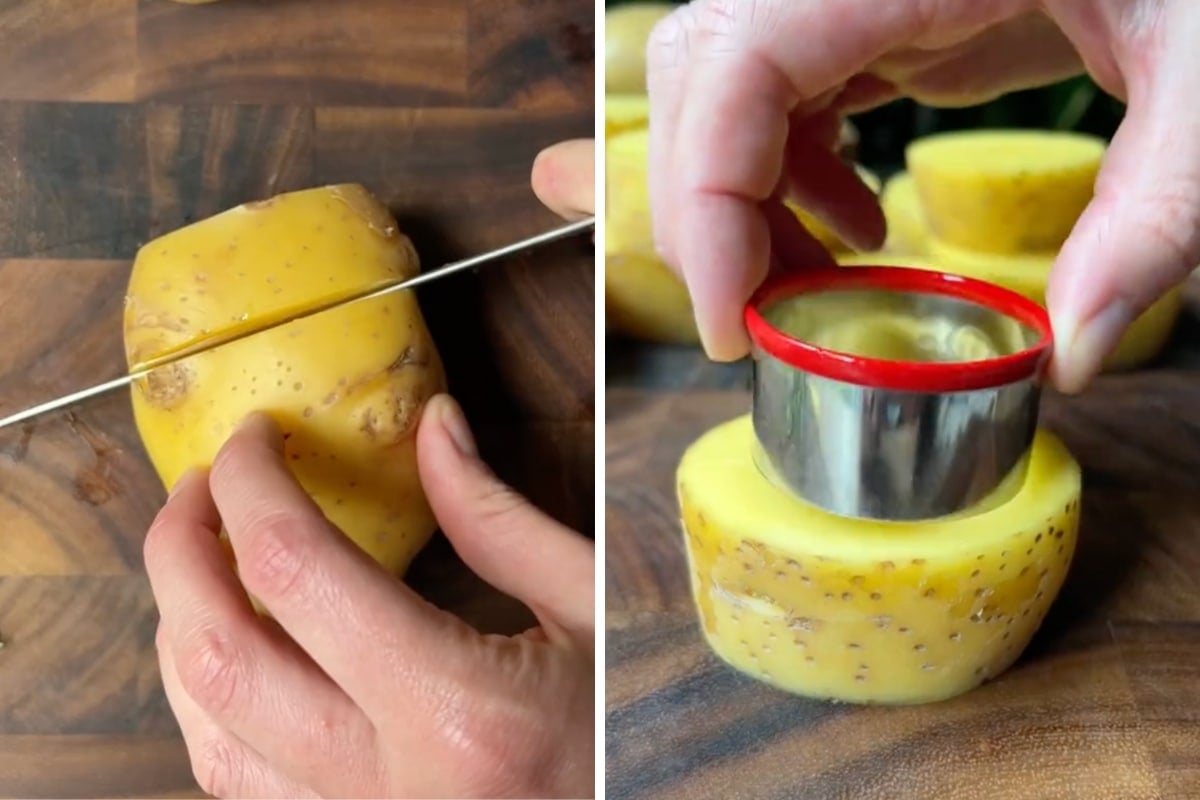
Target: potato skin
x,y
347,386
863,611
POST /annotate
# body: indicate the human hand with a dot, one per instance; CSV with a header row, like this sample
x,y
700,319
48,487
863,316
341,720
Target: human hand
x,y
745,99
564,178
359,688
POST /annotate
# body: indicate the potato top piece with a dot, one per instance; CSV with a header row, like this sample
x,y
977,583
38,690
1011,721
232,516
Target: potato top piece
x,y
258,263
1007,153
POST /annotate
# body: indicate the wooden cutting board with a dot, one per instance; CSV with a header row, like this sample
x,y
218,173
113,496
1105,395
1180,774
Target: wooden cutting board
x,y
1105,703
124,119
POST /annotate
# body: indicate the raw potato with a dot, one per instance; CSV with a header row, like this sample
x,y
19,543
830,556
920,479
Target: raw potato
x,y
625,112
1029,275
1005,191
864,611
626,32
643,298
908,232
347,385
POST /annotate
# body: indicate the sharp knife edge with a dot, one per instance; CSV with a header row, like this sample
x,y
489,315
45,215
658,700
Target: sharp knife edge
x,y
369,293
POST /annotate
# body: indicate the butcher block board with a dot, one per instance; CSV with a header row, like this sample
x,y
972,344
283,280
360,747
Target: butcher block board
x,y
1104,705
121,120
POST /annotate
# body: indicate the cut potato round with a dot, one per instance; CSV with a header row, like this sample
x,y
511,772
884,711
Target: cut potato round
x,y
645,300
908,233
625,112
626,32
347,386
865,611
1005,191
1029,274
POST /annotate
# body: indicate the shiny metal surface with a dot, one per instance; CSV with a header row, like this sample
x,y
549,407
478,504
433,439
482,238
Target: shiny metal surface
x,y
861,451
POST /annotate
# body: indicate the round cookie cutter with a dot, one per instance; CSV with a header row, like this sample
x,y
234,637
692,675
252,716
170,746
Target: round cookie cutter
x,y
894,393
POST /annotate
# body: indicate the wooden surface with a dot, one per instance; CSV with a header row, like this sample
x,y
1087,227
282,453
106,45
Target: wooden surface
x,y
1105,704
121,120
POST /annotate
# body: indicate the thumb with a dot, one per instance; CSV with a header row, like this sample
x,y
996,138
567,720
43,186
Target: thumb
x,y
500,535
1140,236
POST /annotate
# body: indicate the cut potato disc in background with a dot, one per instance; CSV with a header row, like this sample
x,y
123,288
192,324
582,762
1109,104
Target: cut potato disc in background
x,y
626,32
868,611
1004,191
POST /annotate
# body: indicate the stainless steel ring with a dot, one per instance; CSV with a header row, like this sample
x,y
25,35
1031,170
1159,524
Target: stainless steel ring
x,y
892,451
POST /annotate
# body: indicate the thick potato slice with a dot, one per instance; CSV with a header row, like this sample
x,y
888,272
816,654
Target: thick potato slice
x,y
865,611
908,232
347,385
1004,191
626,32
1028,275
625,112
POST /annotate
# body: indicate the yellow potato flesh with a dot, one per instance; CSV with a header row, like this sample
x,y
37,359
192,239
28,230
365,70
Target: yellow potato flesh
x,y
347,386
1004,191
626,32
625,112
1029,274
643,298
864,611
908,233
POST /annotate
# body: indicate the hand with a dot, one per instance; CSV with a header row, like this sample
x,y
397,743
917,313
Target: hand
x,y
360,688
745,99
564,178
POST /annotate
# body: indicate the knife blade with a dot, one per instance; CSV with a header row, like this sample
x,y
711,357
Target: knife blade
x,y
367,293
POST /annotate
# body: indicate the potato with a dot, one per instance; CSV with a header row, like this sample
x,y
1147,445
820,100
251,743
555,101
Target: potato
x,y
908,232
625,112
865,611
1004,191
626,32
1029,275
347,386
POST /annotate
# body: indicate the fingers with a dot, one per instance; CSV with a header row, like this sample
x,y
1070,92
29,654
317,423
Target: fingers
x,y
1140,235
345,611
229,669
828,187
500,536
224,766
564,178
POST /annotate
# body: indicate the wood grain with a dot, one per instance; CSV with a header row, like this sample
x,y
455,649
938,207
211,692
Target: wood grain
x,y
67,50
1104,704
121,120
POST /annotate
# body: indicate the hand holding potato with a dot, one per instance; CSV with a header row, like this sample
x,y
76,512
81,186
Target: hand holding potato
x,y
355,686
723,159
362,689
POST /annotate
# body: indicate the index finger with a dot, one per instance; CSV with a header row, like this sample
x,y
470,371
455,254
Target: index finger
x,y
750,64
345,611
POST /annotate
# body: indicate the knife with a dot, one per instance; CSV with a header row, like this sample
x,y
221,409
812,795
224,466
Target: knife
x,y
368,293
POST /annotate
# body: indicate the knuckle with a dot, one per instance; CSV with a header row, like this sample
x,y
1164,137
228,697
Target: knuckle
x,y
498,505
213,671
277,559
219,768
667,45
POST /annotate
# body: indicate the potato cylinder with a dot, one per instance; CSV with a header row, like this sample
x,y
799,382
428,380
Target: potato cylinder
x,y
865,611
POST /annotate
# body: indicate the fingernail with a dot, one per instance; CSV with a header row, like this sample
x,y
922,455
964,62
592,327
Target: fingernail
x,y
455,423
259,425
1084,348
